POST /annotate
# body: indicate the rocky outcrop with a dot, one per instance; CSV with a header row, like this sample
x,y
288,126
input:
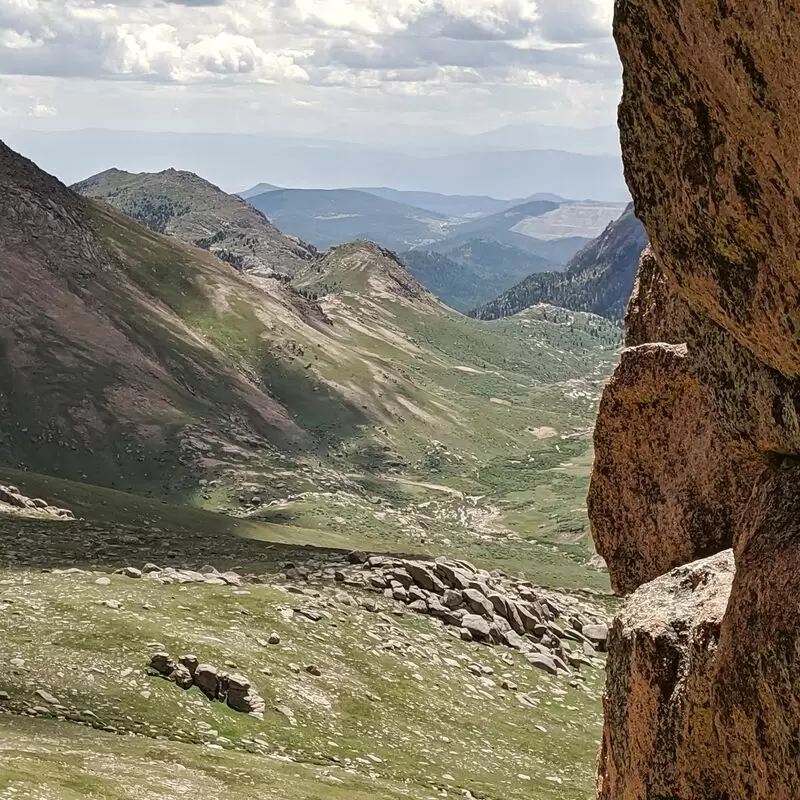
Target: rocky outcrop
x,y
659,686
234,690
556,632
707,124
698,433
13,499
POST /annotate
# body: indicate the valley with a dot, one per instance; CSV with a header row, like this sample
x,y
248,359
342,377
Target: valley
x,y
252,454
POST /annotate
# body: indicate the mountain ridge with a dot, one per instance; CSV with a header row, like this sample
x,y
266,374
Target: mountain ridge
x,y
181,203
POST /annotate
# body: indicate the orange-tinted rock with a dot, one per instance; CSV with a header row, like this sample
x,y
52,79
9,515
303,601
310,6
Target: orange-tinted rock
x,y
698,438
658,740
683,429
757,683
708,124
665,487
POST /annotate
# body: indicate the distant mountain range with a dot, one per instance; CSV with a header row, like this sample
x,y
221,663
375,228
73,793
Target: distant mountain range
x,y
258,189
543,226
492,263
184,205
475,167
599,278
327,217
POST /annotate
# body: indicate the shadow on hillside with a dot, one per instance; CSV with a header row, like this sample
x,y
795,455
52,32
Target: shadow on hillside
x,y
38,543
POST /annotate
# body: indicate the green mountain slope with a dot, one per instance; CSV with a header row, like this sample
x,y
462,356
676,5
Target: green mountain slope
x,y
598,279
327,217
184,367
201,421
184,205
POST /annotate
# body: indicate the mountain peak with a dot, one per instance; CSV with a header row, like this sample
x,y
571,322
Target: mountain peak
x,y
187,206
364,267
41,216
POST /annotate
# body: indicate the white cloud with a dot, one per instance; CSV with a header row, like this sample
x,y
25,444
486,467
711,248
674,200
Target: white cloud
x,y
321,53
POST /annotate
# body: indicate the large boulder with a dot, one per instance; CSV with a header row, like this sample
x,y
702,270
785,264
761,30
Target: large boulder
x,y
707,125
658,685
684,428
756,698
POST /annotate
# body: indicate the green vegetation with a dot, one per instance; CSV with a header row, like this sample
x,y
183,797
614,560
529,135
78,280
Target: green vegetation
x,y
404,720
328,217
473,273
190,414
184,205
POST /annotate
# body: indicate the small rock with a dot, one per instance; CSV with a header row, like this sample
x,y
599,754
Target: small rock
x,y
543,662
132,572
206,678
274,638
190,662
162,663
104,581
182,677
313,669
597,635
47,697
477,626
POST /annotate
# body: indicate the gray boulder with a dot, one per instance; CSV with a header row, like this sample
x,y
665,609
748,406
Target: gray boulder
x,y
478,602
478,626
242,697
543,662
423,576
597,635
452,598
207,680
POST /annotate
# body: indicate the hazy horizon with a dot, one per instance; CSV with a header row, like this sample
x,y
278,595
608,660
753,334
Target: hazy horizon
x,y
408,79
238,161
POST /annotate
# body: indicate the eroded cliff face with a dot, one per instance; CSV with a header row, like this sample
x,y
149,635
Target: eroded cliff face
x,y
698,437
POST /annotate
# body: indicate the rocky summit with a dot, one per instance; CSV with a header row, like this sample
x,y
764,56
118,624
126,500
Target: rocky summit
x,y
697,434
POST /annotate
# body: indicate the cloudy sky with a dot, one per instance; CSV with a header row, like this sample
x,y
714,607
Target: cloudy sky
x,y
329,66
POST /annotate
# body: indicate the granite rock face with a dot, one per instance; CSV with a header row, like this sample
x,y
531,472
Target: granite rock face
x,y
698,438
708,125
659,684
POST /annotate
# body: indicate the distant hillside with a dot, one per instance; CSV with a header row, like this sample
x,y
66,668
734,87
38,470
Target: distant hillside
x,y
544,219
258,189
148,364
449,205
474,272
327,217
184,205
553,230
455,284
599,279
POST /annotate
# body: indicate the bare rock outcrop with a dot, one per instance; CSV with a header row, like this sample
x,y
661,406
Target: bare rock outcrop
x,y
686,424
708,128
756,698
659,685
698,438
